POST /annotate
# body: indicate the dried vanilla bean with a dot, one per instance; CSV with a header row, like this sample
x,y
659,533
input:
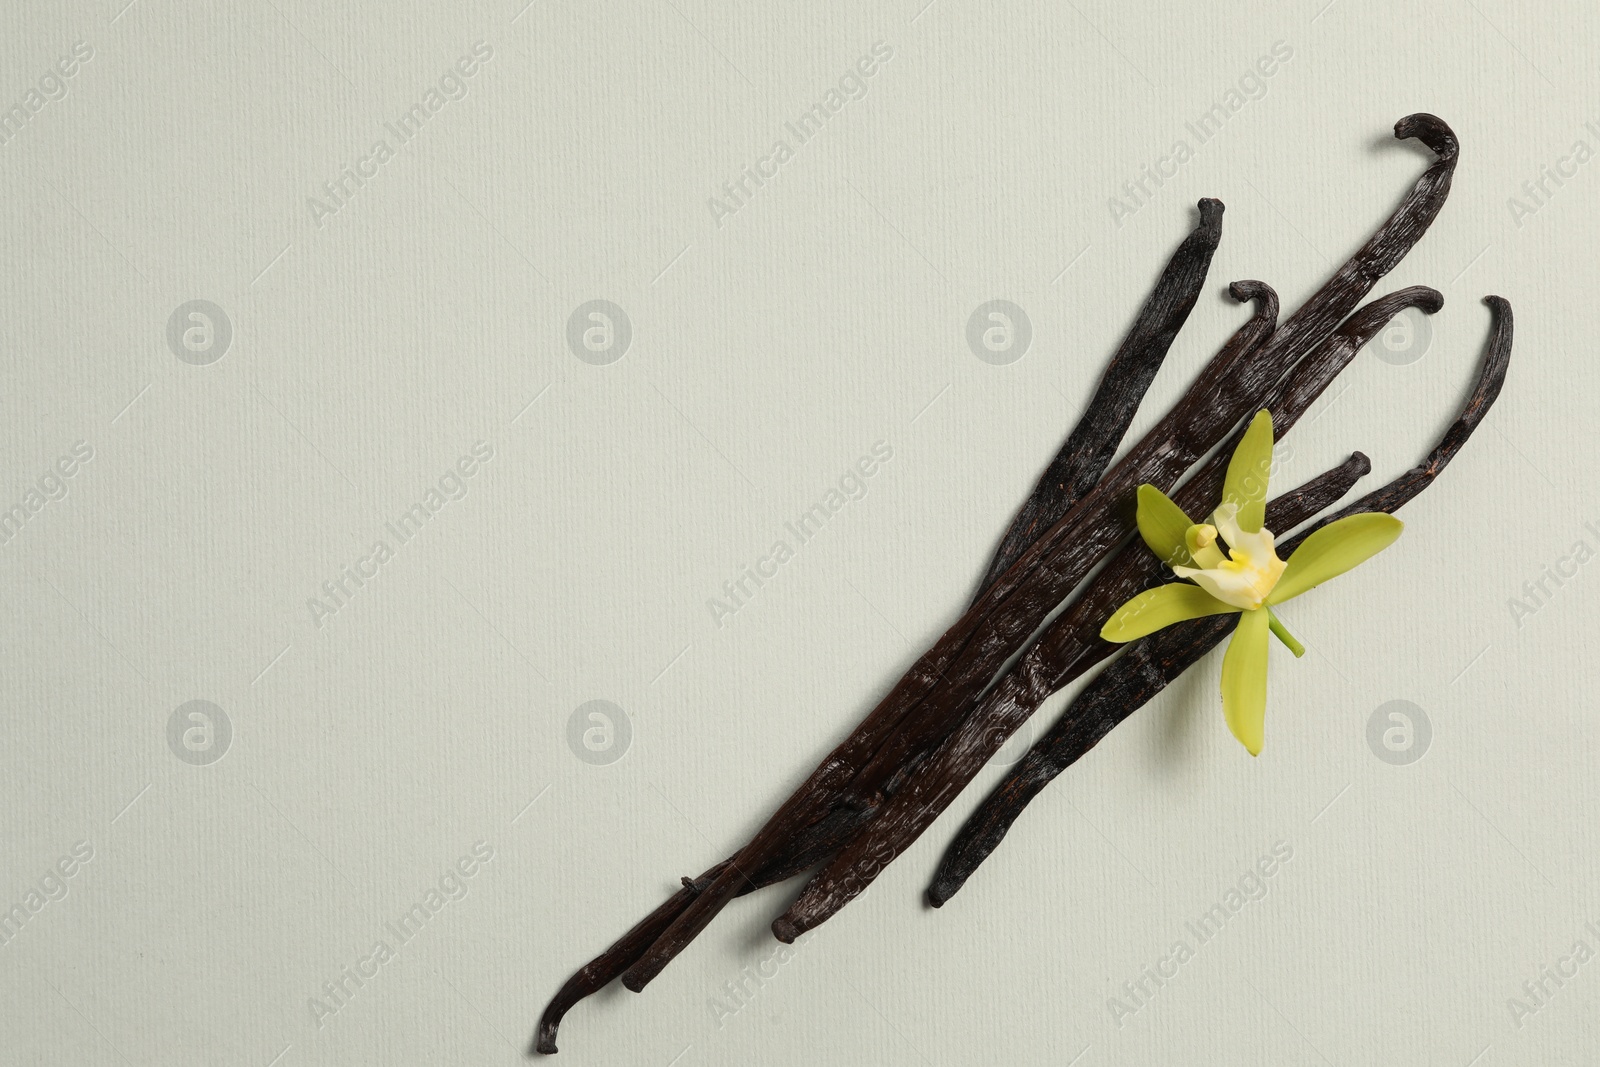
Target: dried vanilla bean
x,y
934,782
1210,408
1288,401
1010,703
1155,661
1089,448
1016,596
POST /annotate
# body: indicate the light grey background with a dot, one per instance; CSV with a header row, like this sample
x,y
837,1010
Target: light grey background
x,y
375,746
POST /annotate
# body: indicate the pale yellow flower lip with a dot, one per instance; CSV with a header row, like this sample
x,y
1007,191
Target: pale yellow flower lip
x,y
1246,578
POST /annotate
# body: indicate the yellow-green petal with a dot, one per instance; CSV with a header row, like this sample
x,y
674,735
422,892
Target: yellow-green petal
x,y
1157,608
1246,481
1334,549
1163,524
1244,680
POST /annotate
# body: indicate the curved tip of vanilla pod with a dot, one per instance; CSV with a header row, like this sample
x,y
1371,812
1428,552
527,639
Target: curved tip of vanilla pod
x,y
1372,317
1247,289
1499,355
1424,298
1432,131
545,1043
786,929
1501,318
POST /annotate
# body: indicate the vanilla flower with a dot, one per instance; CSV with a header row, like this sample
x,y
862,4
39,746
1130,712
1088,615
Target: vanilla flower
x,y
1248,577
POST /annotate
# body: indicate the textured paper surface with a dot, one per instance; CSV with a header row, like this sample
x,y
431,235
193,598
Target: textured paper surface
x,y
369,336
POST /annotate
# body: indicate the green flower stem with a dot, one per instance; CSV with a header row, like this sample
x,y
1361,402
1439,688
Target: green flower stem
x,y
1282,632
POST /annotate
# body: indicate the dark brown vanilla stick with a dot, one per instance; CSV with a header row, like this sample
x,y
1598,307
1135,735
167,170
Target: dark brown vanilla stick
x,y
1018,695
1180,437
1067,648
1053,662
1155,661
999,622
598,972
1089,448
1239,370
821,838
1287,511
1388,246
825,839
1150,665
1289,399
